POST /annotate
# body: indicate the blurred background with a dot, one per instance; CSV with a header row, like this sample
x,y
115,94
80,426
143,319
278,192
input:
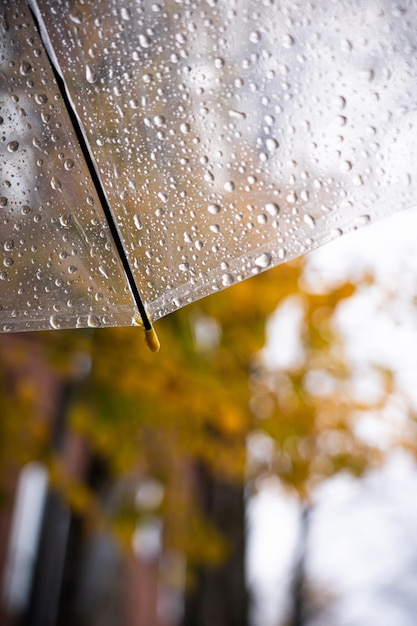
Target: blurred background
x,y
259,470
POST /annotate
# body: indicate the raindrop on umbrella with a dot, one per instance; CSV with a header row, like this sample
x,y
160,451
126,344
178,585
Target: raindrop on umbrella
x,y
152,150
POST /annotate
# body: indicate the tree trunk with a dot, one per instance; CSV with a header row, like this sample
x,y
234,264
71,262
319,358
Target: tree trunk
x,y
220,596
299,615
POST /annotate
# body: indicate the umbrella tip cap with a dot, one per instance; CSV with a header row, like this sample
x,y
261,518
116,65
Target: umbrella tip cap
x,y
152,340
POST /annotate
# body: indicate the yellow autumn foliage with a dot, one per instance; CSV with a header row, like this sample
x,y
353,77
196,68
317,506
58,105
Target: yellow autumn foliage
x,y
157,416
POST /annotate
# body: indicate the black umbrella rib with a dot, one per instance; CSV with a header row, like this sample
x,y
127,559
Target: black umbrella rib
x,y
92,167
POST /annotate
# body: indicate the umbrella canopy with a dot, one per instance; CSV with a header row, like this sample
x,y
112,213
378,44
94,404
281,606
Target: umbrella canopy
x,y
156,152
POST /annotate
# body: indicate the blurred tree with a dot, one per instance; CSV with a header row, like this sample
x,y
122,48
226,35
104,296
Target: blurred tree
x,y
310,412
311,409
183,419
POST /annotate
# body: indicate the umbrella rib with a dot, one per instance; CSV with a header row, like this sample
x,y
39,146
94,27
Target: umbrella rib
x,y
78,129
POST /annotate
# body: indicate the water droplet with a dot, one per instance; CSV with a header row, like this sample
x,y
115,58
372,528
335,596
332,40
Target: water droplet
x,y
103,271
229,186
41,98
36,142
93,321
3,275
134,103
138,221
3,201
159,120
25,210
72,269
264,260
214,208
218,62
56,183
345,166
238,115
77,18
8,261
55,322
68,164
272,208
288,41
181,38
271,144
339,102
254,36
13,146
25,68
362,220
125,14
309,220
227,280
144,41
345,45
8,245
90,74
185,128
366,75
65,220
177,302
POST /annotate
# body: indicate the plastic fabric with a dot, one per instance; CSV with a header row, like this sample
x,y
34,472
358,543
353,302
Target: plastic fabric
x,y
229,137
58,264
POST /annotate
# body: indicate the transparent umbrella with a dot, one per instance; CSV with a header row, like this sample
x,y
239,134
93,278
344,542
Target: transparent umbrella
x,y
155,152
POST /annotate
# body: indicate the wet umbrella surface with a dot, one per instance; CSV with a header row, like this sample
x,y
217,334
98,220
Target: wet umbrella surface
x,y
154,153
